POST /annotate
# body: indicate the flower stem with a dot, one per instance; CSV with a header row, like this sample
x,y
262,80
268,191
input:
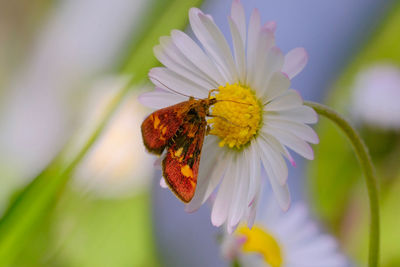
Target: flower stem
x,y
367,167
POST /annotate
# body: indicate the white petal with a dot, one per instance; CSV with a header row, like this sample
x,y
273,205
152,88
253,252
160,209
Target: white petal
x,y
179,64
291,141
239,202
269,59
238,16
289,100
277,85
196,56
301,130
239,50
281,192
211,170
213,42
270,25
295,61
278,146
252,209
272,64
223,201
173,82
253,161
252,41
163,184
157,99
302,114
278,168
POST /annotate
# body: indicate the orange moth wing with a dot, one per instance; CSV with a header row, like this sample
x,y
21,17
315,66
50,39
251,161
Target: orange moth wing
x,y
160,126
181,163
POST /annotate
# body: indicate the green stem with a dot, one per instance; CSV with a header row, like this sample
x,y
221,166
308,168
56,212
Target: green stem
x,y
367,167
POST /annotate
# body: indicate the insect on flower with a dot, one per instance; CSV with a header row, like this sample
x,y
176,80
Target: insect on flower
x,y
180,129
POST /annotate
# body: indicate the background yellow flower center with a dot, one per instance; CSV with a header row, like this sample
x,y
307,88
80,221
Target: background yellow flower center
x,y
260,241
237,115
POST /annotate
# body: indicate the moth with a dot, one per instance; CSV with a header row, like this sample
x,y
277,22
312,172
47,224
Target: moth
x,y
180,129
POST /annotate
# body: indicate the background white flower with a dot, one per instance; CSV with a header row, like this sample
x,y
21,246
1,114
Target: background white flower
x,y
266,119
282,239
376,94
117,165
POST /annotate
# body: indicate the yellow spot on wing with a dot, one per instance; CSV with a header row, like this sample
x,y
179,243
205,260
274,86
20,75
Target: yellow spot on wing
x,y
178,153
187,171
164,130
156,121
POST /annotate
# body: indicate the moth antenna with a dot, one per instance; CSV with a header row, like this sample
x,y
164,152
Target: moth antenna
x,y
235,102
172,89
266,103
228,121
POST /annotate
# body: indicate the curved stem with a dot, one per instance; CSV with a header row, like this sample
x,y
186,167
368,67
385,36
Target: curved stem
x,y
367,167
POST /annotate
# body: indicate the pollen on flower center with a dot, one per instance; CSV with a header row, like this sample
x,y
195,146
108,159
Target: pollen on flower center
x,y
237,115
260,241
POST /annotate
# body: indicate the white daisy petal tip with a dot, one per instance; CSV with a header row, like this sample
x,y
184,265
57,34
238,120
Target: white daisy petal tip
x,y
163,184
157,163
295,61
270,25
231,228
216,221
147,99
267,31
190,209
286,75
144,100
292,162
285,206
311,153
298,93
315,115
276,50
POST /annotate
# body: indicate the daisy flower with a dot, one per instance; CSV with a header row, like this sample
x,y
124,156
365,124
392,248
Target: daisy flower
x,y
258,120
288,239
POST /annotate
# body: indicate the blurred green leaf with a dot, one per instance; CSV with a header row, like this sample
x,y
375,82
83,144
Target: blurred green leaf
x,y
84,230
29,209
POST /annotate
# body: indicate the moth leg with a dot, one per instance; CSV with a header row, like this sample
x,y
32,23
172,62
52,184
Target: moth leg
x,y
208,129
211,91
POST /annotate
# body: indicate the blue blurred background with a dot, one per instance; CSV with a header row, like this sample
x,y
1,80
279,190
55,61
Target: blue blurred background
x,y
58,64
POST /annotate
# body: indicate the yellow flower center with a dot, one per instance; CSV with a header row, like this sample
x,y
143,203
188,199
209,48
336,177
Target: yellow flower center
x,y
260,241
237,115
